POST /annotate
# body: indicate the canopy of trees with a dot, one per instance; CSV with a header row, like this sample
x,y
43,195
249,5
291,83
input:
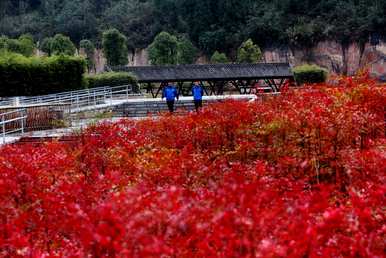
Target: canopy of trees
x,y
211,25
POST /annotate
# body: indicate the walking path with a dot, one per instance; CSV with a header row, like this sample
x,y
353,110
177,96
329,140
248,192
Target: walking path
x,y
118,102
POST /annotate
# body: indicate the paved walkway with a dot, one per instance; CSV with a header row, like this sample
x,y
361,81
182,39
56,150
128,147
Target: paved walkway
x,y
118,102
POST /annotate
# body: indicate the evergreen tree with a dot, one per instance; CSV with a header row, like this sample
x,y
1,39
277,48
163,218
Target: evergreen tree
x,y
187,53
62,45
114,47
46,45
219,58
89,49
164,49
248,52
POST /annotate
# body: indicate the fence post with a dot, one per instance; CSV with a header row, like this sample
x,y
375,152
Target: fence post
x,y
88,97
22,121
95,102
127,91
3,123
111,97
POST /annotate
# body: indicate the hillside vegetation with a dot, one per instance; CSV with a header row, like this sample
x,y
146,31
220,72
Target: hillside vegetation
x,y
210,24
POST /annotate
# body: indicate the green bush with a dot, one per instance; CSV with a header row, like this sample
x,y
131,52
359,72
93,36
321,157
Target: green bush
x,y
309,74
28,76
219,58
23,45
110,79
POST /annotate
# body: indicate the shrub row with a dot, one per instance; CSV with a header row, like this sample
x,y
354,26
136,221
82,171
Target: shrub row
x,y
309,74
110,79
22,76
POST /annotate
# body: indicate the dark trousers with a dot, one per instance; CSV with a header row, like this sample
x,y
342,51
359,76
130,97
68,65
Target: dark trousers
x,y
170,104
197,104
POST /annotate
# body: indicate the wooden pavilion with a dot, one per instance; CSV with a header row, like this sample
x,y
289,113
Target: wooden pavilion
x,y
214,76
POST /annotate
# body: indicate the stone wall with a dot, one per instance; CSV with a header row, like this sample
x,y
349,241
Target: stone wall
x,y
137,58
335,57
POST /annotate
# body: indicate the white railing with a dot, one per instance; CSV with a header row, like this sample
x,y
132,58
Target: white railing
x,y
12,122
78,99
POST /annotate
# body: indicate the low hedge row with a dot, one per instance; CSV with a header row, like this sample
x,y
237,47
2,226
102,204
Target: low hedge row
x,y
310,74
28,76
109,79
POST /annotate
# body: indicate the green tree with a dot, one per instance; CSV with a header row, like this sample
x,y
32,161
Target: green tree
x,y
46,45
164,49
115,47
89,50
23,45
219,58
187,53
248,52
62,45
27,44
58,45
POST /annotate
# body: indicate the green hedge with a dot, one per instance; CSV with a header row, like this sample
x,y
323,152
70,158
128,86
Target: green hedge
x,y
110,79
309,74
28,76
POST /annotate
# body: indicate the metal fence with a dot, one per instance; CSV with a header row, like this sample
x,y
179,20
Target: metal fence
x,y
43,116
77,99
12,122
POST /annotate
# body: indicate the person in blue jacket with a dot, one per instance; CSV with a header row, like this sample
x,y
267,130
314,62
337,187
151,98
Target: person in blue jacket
x,y
197,92
170,93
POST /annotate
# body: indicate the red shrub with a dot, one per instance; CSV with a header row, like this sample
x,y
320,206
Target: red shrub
x,y
300,175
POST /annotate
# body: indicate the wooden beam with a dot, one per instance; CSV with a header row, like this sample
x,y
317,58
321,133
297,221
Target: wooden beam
x,y
180,84
220,87
236,84
150,89
275,85
203,87
270,85
281,84
212,88
159,89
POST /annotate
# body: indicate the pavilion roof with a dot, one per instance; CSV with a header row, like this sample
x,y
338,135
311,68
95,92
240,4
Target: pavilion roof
x,y
211,72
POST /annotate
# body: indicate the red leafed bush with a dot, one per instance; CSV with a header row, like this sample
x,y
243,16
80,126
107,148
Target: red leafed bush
x,y
300,175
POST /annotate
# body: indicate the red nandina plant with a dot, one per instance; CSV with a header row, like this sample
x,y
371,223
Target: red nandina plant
x,y
299,175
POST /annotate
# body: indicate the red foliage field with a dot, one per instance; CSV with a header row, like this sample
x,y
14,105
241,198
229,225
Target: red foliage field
x,y
300,175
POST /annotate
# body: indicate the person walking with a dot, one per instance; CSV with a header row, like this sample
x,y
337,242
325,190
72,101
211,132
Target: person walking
x,y
170,93
197,92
